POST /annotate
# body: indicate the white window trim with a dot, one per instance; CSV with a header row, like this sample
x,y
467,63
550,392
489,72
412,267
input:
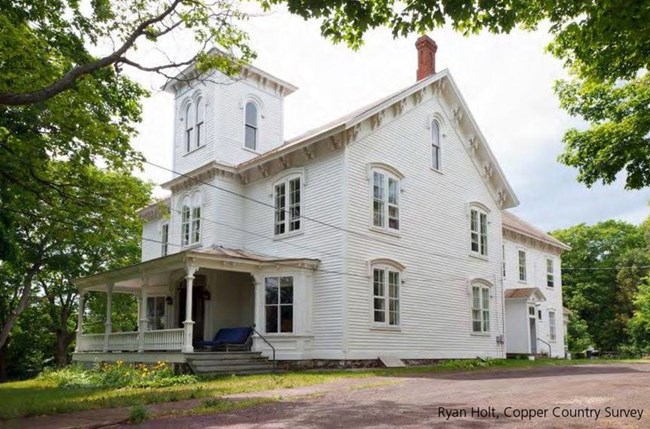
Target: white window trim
x,y
190,196
479,209
525,280
440,134
260,116
164,243
390,173
553,326
278,305
551,273
481,285
285,180
387,266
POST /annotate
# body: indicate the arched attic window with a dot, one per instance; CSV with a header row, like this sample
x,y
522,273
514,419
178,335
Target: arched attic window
x,y
251,125
435,145
189,126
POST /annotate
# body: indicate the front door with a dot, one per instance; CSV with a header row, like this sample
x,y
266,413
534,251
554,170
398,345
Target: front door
x,y
198,306
533,333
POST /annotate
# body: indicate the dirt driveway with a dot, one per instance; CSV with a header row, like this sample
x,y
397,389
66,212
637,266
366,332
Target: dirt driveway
x,y
563,397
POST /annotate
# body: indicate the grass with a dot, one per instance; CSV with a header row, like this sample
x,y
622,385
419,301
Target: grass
x,y
39,397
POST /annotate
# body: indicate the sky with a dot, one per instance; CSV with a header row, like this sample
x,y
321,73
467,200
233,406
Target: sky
x,y
506,80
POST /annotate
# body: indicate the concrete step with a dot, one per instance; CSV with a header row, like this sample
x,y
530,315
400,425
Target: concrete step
x,y
243,361
248,372
234,368
222,355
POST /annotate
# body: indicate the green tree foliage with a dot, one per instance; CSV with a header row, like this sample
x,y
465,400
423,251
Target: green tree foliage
x,y
604,45
600,276
578,338
95,228
639,325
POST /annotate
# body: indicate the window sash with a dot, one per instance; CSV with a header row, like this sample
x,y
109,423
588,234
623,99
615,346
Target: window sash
x,y
552,334
185,225
480,309
550,275
386,297
196,225
478,232
250,138
288,206
522,265
278,304
164,238
385,201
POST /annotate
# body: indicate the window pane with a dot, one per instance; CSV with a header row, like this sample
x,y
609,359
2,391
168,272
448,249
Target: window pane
x,y
380,316
486,321
393,191
486,298
294,204
271,285
378,199
435,157
378,282
483,226
280,207
286,318
474,220
435,134
286,290
251,114
476,297
251,137
378,213
271,318
393,282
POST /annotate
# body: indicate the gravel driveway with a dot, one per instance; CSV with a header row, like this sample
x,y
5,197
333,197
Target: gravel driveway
x,y
563,397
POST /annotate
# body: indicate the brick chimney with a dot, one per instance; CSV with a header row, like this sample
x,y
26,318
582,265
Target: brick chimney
x,y
426,56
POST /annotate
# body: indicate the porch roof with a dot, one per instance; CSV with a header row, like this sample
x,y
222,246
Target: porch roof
x,y
157,271
524,293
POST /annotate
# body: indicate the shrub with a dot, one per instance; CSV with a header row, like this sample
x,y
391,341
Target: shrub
x,y
138,414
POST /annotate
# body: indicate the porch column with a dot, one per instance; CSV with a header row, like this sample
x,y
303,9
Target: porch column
x,y
108,326
80,319
188,324
143,326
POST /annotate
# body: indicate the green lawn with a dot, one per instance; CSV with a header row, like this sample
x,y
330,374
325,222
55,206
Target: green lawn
x,y
38,397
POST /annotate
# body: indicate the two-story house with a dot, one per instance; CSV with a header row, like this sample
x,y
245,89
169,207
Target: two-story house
x,y
382,233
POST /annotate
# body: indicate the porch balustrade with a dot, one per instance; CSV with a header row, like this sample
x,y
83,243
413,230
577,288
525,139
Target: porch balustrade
x,y
164,339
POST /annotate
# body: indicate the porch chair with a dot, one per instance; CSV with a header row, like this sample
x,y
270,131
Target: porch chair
x,y
237,337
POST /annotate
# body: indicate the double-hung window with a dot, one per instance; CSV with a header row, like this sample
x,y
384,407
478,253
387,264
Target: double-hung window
x,y
385,200
250,126
435,145
287,196
164,239
278,304
191,219
479,233
386,296
480,309
522,266
189,126
550,274
552,334
200,119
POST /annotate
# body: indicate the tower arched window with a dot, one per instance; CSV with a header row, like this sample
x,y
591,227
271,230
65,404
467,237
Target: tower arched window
x,y
435,145
189,126
251,126
186,212
191,219
200,119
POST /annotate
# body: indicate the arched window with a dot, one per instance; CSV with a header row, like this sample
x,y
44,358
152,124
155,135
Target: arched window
x,y
191,219
196,219
250,132
287,195
200,119
189,126
385,199
480,307
435,145
185,221
478,224
386,290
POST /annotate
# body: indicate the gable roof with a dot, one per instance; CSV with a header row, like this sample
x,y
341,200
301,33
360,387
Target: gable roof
x,y
352,119
524,293
518,225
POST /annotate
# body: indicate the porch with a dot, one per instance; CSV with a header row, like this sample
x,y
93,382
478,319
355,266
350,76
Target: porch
x,y
187,297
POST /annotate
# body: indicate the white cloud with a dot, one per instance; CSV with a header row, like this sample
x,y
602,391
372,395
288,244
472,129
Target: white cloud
x,y
506,79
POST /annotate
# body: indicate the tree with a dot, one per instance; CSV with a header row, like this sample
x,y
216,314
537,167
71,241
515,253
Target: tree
x,y
45,45
639,325
95,228
600,276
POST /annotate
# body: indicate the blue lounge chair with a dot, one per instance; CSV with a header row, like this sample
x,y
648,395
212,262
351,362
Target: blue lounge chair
x,y
227,337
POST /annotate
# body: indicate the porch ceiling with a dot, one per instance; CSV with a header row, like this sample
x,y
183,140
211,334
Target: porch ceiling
x,y
527,293
157,271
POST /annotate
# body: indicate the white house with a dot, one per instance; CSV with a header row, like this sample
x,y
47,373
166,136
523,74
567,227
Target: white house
x,y
382,233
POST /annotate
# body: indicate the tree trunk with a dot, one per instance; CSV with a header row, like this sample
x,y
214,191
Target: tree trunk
x,y
4,373
22,304
63,341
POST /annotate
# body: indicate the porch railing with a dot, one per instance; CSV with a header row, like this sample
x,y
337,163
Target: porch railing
x,y
163,339
91,343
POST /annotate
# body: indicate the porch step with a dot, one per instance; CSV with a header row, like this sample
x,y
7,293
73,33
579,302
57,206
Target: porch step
x,y
222,363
